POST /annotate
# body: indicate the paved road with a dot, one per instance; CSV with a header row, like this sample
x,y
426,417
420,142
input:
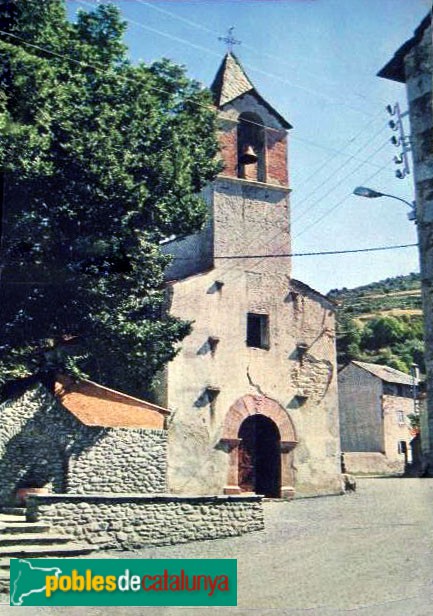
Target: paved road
x,y
369,553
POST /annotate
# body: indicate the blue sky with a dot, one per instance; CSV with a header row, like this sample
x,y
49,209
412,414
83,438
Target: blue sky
x,y
315,61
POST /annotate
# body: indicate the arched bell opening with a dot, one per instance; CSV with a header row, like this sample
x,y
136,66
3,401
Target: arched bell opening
x,y
251,147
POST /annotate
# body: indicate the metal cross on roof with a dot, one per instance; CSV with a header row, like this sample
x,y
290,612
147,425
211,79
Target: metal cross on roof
x,y
229,40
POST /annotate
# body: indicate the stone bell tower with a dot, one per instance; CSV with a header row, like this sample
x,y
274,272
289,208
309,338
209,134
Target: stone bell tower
x,y
250,198
252,390
249,201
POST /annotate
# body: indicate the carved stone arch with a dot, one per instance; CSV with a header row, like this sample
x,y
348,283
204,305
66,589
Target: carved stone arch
x,y
247,406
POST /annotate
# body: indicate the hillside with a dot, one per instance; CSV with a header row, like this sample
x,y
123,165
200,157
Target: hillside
x,y
401,294
381,322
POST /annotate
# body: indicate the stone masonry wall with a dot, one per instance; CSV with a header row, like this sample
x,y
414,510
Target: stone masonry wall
x,y
419,82
42,443
122,460
132,521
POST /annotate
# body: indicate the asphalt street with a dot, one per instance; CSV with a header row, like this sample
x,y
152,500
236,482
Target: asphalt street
x,y
367,553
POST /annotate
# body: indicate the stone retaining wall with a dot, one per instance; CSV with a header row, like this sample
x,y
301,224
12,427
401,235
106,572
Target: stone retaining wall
x,y
371,463
131,521
118,460
43,443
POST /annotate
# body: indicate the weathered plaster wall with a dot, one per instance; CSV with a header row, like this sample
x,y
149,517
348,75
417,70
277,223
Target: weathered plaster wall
x,y
361,426
251,219
42,441
419,82
132,521
198,463
193,253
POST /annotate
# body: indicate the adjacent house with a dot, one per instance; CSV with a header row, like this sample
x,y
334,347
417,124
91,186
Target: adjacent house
x,y
375,402
253,389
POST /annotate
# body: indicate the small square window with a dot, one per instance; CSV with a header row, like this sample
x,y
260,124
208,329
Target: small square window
x,y
402,447
258,330
400,418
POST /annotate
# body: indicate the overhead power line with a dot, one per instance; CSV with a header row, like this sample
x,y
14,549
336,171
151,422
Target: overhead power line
x,y
102,68
314,254
261,53
273,76
320,199
336,205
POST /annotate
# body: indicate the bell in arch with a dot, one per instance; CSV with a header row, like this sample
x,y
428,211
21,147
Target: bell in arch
x,y
248,157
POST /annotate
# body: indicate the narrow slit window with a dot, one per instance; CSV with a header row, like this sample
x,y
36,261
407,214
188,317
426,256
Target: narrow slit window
x,y
258,331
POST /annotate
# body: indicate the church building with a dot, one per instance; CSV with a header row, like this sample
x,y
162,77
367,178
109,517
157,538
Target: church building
x,y
253,389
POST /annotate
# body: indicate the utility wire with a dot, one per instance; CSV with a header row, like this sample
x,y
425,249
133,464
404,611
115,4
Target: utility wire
x,y
334,172
336,205
331,190
260,53
336,153
272,76
101,68
307,254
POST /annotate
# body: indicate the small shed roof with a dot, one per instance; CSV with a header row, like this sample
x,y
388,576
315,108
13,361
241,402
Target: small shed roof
x,y
385,373
95,405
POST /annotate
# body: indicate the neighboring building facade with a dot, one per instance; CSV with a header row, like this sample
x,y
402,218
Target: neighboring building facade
x,y
374,402
412,64
253,390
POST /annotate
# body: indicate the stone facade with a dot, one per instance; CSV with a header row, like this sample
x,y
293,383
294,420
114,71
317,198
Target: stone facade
x,y
413,65
263,344
373,419
42,443
133,521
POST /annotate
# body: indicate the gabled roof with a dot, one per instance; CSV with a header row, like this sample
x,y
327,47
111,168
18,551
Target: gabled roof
x,y
394,70
96,405
232,82
304,288
385,373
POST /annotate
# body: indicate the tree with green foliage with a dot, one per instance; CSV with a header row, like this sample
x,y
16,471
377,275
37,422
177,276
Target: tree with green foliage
x,y
102,160
382,332
393,341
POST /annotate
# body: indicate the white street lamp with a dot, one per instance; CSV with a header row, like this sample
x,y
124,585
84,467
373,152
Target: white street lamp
x,y
370,193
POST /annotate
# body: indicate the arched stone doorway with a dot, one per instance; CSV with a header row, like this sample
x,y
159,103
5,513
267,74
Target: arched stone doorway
x,y
256,428
259,460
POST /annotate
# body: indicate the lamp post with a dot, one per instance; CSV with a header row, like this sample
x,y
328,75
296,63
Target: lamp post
x,y
370,193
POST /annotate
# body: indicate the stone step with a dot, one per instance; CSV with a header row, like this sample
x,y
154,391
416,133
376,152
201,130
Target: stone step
x,y
4,581
6,518
36,551
14,510
22,527
33,539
